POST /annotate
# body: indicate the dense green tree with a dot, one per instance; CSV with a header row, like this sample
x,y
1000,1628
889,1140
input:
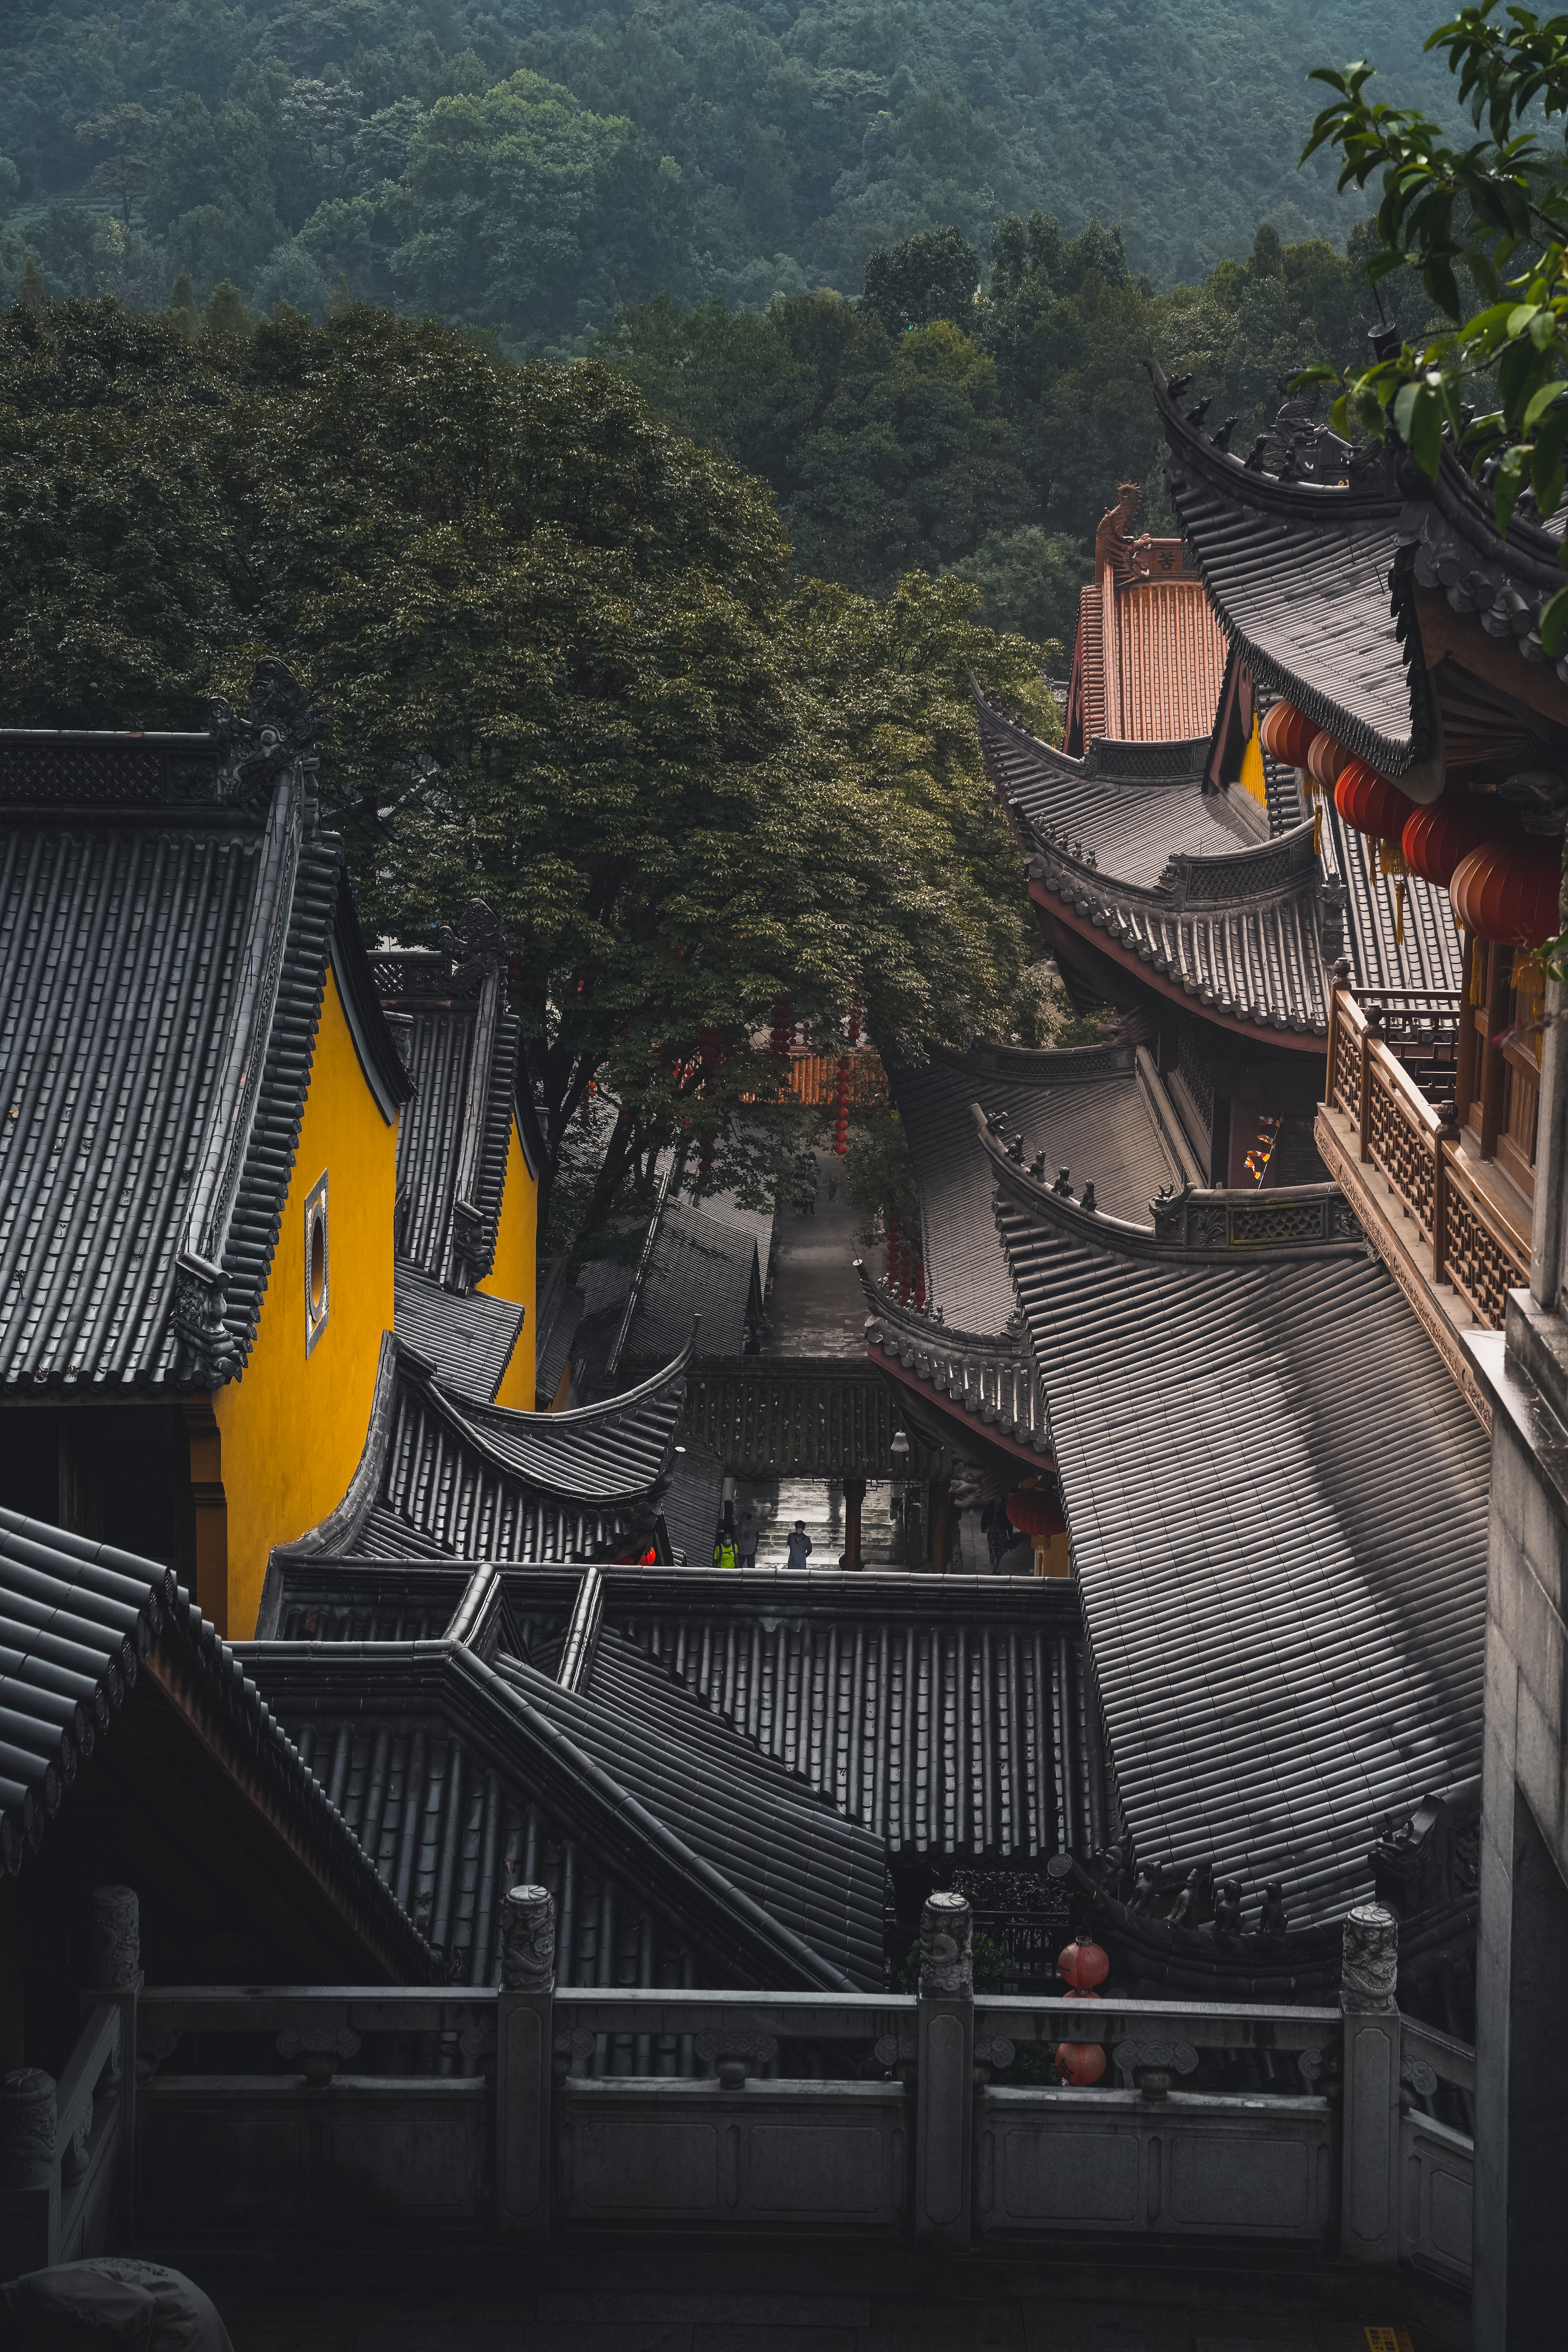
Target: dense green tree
x,y
933,275
807,139
563,665
520,206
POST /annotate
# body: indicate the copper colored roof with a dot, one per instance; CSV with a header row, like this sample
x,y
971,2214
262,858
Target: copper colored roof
x,y
1153,660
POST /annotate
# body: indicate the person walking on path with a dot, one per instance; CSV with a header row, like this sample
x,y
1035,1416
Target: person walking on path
x,y
724,1550
747,1542
799,1545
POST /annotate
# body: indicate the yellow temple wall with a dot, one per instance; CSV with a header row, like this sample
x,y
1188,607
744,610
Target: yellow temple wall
x,y
292,1428
514,1273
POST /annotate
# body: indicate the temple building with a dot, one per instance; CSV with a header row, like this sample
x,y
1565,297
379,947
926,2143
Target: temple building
x,y
198,1149
468,1157
1148,657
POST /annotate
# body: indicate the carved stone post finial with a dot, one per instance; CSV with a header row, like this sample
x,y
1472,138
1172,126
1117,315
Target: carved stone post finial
x,y
528,1939
1369,1962
113,1956
28,2114
947,1946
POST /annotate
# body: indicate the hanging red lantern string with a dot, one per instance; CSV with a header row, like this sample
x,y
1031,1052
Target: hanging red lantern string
x,y
1084,1963
1325,760
892,1247
1080,2063
1033,1513
1286,734
904,1275
1379,809
1436,839
1509,891
920,1284
841,1131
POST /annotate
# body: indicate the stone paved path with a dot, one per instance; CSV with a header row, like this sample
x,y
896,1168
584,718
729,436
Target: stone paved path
x,y
817,1308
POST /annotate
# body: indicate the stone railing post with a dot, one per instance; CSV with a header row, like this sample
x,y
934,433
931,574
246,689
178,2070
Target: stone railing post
x,y
1368,2165
112,1971
944,2082
30,2173
525,2008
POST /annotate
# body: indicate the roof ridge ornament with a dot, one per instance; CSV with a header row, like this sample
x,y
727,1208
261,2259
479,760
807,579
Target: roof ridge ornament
x,y
280,732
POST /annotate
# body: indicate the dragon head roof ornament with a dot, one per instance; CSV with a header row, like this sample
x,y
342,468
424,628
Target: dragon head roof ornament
x,y
281,728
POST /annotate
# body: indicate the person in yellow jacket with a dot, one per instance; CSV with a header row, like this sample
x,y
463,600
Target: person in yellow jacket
x,y
725,1554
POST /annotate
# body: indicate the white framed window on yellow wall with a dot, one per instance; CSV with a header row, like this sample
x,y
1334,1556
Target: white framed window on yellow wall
x,y
318,1262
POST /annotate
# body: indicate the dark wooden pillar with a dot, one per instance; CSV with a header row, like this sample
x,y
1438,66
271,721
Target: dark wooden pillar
x,y
939,1518
854,1496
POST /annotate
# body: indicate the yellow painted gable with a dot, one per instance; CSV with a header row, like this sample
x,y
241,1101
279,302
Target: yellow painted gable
x,y
1252,777
513,1273
289,1431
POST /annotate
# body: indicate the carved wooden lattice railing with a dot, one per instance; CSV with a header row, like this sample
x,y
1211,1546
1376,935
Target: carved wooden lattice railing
x,y
1412,1143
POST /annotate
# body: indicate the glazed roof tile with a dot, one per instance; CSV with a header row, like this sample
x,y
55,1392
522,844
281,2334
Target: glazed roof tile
x,y
955,1718
1285,1651
1308,578
1163,658
442,1477
1089,1107
505,1768
163,953
452,1143
467,1337
78,1622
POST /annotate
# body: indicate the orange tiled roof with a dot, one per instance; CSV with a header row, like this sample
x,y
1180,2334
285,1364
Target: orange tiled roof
x,y
1152,660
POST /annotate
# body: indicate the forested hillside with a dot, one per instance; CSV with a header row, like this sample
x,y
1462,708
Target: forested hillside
x,y
534,165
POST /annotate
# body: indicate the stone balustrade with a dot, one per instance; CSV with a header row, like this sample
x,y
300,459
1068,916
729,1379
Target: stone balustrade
x,y
530,2111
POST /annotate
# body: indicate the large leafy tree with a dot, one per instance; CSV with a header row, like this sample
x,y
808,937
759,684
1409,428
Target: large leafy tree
x,y
564,670
1484,228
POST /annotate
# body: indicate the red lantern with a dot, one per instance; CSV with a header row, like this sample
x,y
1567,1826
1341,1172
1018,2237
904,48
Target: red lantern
x,y
1286,735
1080,2063
1436,838
1083,1964
1370,804
1035,1513
1509,892
1325,761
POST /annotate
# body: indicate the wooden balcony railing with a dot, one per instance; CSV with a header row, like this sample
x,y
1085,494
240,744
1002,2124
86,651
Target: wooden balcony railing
x,y
1390,1052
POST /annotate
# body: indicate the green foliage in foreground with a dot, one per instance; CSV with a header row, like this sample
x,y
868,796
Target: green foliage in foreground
x,y
565,666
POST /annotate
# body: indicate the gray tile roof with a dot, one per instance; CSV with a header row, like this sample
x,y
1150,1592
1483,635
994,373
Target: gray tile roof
x,y
163,958
1235,924
1309,580
452,1141
441,1477
814,1871
693,1836
703,1263
1299,575
1277,1507
1133,807
467,1337
78,1622
954,1716
1090,1111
